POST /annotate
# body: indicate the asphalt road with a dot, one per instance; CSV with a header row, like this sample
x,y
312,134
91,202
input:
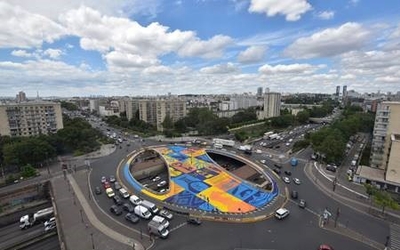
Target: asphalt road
x,y
50,243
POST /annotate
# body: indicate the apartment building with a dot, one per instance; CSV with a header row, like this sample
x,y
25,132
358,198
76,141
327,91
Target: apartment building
x,y
154,111
387,123
30,118
272,105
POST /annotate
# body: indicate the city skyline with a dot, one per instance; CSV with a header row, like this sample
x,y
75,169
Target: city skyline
x,y
86,48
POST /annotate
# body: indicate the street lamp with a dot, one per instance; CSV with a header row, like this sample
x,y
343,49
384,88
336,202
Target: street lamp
x,y
91,236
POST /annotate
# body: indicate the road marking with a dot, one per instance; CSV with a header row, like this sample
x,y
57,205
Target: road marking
x,y
306,208
177,227
394,237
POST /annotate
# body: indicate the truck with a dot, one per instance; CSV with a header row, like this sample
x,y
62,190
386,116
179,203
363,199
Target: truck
x,y
273,136
157,229
267,134
224,142
150,206
29,220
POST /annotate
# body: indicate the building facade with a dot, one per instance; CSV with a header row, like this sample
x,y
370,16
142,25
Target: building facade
x,y
30,118
154,111
387,122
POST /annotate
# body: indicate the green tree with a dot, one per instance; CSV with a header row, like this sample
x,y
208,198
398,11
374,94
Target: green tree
x,y
168,123
69,106
241,136
384,200
303,116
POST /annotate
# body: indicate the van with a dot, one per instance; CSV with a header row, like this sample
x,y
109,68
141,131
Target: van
x,y
161,221
151,206
135,200
142,212
281,213
353,163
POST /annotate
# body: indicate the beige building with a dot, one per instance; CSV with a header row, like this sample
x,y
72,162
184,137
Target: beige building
x,y
393,163
154,111
30,118
272,105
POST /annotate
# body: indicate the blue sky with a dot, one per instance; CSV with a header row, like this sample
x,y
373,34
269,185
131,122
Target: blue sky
x,y
152,47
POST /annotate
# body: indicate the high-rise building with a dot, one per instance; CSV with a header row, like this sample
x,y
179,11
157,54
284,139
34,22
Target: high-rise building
x,y
387,123
344,91
30,118
154,111
272,105
337,90
393,159
259,91
21,97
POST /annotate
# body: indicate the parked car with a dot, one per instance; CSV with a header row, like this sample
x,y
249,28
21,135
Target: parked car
x,y
115,210
117,185
294,194
276,170
132,218
162,184
117,200
166,214
331,168
128,207
112,178
302,203
103,179
97,190
157,178
297,181
287,172
194,220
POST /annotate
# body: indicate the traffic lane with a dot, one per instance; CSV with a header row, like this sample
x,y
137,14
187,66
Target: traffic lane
x,y
298,231
50,243
317,201
14,236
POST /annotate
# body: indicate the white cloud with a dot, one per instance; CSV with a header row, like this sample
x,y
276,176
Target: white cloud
x,y
22,29
220,69
117,59
252,54
53,53
212,48
158,70
326,15
330,42
21,53
289,69
291,9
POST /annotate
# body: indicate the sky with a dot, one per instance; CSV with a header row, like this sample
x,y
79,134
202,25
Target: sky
x,y
153,47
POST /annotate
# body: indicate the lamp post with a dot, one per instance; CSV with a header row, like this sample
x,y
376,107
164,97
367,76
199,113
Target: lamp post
x,y
91,236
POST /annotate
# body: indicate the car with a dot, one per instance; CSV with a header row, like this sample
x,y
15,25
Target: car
x,y
132,218
287,144
302,203
325,247
115,210
50,227
163,190
166,214
296,181
157,178
294,194
331,168
117,200
162,184
97,190
276,170
110,192
262,161
117,186
112,178
194,221
286,179
287,172
103,179
128,207
277,146
52,220
281,213
277,165
106,185
124,193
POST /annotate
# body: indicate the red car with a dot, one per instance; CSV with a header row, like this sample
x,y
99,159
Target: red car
x,y
325,247
106,185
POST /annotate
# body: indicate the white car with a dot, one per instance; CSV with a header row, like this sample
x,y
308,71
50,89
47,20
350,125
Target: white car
x,y
124,193
297,181
50,227
52,220
262,161
162,184
286,179
157,178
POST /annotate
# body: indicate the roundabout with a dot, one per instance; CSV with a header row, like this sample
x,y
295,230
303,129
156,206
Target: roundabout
x,y
194,183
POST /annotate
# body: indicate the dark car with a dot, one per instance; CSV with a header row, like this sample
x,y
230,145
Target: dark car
x,y
132,218
287,172
97,190
302,203
331,168
277,165
294,194
115,210
194,220
128,207
278,171
117,200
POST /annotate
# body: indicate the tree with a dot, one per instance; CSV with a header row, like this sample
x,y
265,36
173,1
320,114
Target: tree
x,y
168,123
241,135
384,199
303,116
69,106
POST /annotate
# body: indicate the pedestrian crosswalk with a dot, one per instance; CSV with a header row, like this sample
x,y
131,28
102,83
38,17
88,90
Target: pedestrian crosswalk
x,y
394,237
